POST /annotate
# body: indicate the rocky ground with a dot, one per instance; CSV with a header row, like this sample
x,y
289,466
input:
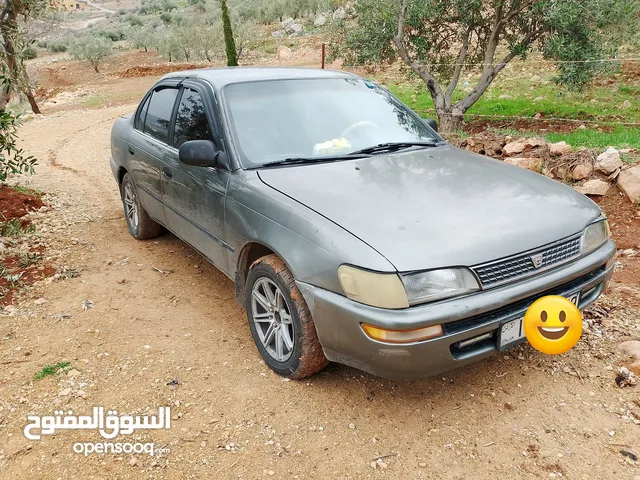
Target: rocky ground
x,y
150,324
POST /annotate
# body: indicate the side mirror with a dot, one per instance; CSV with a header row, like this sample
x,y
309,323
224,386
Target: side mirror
x,y
199,153
432,123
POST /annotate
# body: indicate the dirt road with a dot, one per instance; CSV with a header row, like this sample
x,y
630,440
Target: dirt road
x,y
520,415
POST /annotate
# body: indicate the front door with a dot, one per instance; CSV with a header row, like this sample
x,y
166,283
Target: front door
x,y
194,196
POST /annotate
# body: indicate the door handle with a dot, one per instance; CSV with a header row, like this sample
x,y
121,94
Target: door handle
x,y
167,172
131,151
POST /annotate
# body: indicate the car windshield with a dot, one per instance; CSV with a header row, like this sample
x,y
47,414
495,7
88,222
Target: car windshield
x,y
319,118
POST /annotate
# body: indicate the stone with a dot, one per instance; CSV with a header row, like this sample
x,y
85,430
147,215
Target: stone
x,y
278,34
286,22
339,14
608,161
283,52
296,29
320,21
560,148
533,164
534,142
629,183
538,99
582,172
505,96
73,373
65,392
626,104
513,148
40,301
632,348
593,187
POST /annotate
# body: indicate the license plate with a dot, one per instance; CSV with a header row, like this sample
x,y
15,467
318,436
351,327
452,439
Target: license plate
x,y
511,332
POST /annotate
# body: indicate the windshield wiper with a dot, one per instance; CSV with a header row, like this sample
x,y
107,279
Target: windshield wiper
x,y
392,147
305,160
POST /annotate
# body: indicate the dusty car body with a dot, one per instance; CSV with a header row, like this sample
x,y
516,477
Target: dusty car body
x,y
404,260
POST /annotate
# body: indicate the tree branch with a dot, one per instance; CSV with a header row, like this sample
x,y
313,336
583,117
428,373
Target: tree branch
x,y
512,13
464,48
421,70
489,74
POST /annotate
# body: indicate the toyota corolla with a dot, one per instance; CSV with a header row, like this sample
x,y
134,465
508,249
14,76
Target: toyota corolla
x,y
353,232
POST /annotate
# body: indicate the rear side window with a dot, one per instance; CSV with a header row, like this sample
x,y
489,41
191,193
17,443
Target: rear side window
x,y
191,119
159,112
143,113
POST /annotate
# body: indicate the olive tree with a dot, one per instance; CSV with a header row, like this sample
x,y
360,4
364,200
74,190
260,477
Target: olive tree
x,y
13,44
142,37
439,39
92,48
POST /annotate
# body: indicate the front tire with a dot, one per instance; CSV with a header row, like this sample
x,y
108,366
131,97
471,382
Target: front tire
x,y
139,223
280,320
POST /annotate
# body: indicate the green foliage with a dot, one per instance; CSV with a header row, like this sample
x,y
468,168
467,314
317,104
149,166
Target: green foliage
x,y
29,53
134,20
277,10
92,48
51,370
115,34
142,37
581,34
166,17
13,227
154,7
230,43
12,159
57,46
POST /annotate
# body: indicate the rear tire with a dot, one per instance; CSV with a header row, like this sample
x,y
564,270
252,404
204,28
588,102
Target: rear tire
x,y
139,223
280,320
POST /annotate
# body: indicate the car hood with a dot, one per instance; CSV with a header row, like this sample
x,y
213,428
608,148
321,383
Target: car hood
x,y
438,207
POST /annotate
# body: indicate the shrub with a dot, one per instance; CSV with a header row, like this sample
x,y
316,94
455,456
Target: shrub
x,y
57,46
29,53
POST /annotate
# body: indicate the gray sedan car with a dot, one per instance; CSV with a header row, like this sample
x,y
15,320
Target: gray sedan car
x,y
353,232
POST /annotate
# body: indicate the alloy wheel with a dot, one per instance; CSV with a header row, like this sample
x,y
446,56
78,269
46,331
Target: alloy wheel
x,y
131,206
272,319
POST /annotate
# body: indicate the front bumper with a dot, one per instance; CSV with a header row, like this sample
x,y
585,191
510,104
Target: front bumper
x,y
338,319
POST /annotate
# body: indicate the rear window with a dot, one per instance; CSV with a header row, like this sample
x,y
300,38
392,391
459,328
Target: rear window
x,y
158,115
143,113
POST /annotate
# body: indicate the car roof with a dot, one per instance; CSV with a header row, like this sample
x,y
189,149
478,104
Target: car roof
x,y
219,77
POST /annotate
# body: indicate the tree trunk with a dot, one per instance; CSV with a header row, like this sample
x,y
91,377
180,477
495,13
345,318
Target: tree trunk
x,y
145,50
449,120
95,67
32,101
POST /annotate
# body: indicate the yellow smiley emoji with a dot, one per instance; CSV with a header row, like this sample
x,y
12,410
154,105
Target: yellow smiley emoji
x,y
553,324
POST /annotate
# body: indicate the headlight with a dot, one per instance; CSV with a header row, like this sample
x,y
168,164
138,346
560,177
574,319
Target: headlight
x,y
388,290
438,284
594,236
384,290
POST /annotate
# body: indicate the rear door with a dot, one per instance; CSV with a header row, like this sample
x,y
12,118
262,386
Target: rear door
x,y
194,196
148,145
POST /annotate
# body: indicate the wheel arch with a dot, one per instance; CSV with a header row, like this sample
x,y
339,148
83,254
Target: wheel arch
x,y
121,173
251,252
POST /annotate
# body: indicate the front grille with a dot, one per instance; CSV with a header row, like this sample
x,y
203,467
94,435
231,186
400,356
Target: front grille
x,y
520,266
517,309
